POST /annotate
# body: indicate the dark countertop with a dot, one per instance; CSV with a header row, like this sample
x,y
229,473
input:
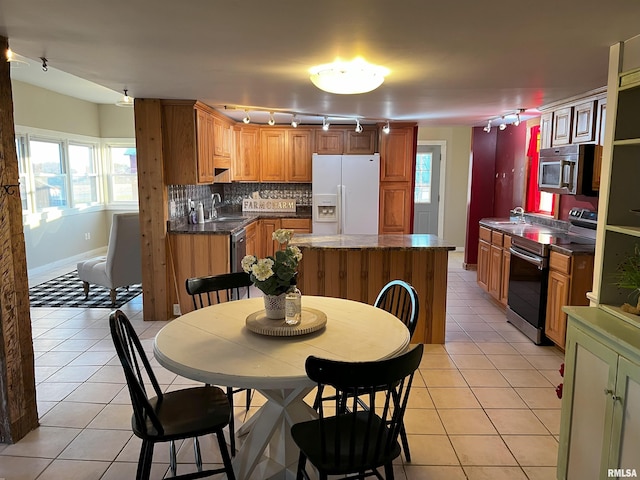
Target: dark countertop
x,y
558,239
386,242
237,220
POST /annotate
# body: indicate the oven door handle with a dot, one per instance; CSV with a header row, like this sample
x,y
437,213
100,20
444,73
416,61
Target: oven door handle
x,y
538,261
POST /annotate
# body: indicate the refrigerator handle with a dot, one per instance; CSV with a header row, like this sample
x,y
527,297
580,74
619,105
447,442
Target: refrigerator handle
x,y
343,208
339,209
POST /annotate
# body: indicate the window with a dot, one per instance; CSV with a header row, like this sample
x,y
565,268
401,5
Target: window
x,y
23,179
423,178
84,177
123,176
49,175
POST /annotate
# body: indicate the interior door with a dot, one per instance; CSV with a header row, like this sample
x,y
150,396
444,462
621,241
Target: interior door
x,y
427,189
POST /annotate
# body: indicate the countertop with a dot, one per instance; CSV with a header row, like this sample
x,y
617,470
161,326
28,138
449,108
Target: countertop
x,y
558,239
234,221
386,242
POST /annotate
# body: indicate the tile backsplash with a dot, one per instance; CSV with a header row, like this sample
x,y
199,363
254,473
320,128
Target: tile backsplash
x,y
232,194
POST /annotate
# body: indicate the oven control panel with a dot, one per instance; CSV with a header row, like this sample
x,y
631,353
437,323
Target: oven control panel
x,y
583,218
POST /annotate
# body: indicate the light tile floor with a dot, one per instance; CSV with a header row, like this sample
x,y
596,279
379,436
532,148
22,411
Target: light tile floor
x,y
483,406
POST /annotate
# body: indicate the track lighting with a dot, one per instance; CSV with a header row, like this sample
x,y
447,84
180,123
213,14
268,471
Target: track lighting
x,y
502,124
386,129
246,118
517,122
45,66
358,126
488,127
294,121
125,101
272,121
325,124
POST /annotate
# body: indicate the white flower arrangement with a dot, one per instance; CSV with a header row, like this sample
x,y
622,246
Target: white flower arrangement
x,y
275,275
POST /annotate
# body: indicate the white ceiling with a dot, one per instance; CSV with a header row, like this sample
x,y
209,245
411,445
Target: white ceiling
x,y
452,63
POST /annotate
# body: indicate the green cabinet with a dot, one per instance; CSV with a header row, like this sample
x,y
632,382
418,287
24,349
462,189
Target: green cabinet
x,y
600,426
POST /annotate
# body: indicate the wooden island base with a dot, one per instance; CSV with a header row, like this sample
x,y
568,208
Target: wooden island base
x,y
356,267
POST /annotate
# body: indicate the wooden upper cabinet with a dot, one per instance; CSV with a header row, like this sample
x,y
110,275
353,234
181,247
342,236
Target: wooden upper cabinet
x,y
330,142
395,207
187,142
300,150
246,162
545,129
584,122
361,143
272,154
222,134
562,127
397,155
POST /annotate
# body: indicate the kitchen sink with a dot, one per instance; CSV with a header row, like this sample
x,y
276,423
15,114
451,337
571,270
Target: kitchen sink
x,y
508,222
226,219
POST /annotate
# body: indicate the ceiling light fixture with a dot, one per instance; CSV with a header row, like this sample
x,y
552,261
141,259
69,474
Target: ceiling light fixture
x,y
488,127
13,59
125,101
517,122
325,124
348,78
502,124
386,129
294,121
246,118
358,126
45,66
272,120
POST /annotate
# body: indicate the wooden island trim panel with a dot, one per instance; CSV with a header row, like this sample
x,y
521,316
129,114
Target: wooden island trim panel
x,y
356,267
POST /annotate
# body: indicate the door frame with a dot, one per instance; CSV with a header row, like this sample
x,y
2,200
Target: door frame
x,y
441,184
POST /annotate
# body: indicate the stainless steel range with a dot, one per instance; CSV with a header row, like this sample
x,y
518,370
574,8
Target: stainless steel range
x,y
529,272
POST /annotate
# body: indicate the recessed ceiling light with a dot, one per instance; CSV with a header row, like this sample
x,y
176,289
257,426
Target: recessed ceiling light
x,y
356,76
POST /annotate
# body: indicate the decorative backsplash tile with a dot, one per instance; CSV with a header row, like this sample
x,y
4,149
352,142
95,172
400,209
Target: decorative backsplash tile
x,y
232,194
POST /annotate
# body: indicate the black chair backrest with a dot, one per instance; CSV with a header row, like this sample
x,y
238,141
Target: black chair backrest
x,y
204,290
399,298
375,396
135,364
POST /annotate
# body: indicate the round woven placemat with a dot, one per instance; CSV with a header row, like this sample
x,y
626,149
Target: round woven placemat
x,y
312,320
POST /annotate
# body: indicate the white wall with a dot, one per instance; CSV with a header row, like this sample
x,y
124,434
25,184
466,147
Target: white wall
x,y
458,141
50,238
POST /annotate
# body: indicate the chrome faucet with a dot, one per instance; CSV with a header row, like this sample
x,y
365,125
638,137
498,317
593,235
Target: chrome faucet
x,y
214,211
518,212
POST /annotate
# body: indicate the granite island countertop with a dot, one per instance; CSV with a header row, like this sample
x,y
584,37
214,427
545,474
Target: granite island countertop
x,y
364,242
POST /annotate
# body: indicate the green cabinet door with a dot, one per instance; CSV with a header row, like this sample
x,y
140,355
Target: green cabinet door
x,y
625,441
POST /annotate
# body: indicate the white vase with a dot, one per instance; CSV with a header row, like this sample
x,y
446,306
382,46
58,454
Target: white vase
x,y
274,306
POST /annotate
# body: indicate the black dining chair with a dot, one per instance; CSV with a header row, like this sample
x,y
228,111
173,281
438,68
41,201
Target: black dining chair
x,y
399,298
214,289
171,416
356,441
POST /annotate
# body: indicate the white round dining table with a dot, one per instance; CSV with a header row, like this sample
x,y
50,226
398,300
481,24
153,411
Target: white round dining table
x,y
213,345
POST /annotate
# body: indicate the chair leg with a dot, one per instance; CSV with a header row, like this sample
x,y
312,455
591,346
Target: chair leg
x,y
112,295
232,423
197,454
145,460
173,464
302,460
85,287
388,471
226,459
405,443
248,401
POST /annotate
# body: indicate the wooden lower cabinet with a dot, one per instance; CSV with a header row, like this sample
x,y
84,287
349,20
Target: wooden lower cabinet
x,y
599,427
298,225
395,207
194,255
570,278
251,238
484,262
506,266
267,227
495,271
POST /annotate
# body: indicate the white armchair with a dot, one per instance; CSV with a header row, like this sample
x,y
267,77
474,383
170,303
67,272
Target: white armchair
x,y
123,264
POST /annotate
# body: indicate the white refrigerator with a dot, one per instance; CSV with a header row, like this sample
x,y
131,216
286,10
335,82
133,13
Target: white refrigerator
x,y
345,194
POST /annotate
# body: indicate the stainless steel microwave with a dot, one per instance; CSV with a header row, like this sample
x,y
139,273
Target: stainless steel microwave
x,y
567,170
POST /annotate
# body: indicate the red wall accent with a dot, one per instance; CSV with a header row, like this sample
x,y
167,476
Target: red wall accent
x,y
567,202
481,188
510,162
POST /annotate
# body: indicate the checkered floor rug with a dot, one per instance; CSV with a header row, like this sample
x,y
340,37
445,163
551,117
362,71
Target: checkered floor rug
x,y
66,291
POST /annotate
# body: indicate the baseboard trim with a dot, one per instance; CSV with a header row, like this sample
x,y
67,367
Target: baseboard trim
x,y
97,252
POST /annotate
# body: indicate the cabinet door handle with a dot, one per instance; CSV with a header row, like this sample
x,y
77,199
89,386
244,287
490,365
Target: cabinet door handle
x,y
614,397
608,391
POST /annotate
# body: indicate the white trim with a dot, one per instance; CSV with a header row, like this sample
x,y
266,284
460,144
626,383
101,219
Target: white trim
x,y
443,164
42,269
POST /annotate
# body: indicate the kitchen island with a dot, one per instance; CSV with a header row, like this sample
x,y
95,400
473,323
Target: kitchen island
x,y
356,267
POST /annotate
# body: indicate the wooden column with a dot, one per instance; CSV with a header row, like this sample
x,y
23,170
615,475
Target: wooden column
x,y
152,194
18,410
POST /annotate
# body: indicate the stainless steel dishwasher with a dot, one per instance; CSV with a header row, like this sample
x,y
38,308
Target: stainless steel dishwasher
x,y
238,249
